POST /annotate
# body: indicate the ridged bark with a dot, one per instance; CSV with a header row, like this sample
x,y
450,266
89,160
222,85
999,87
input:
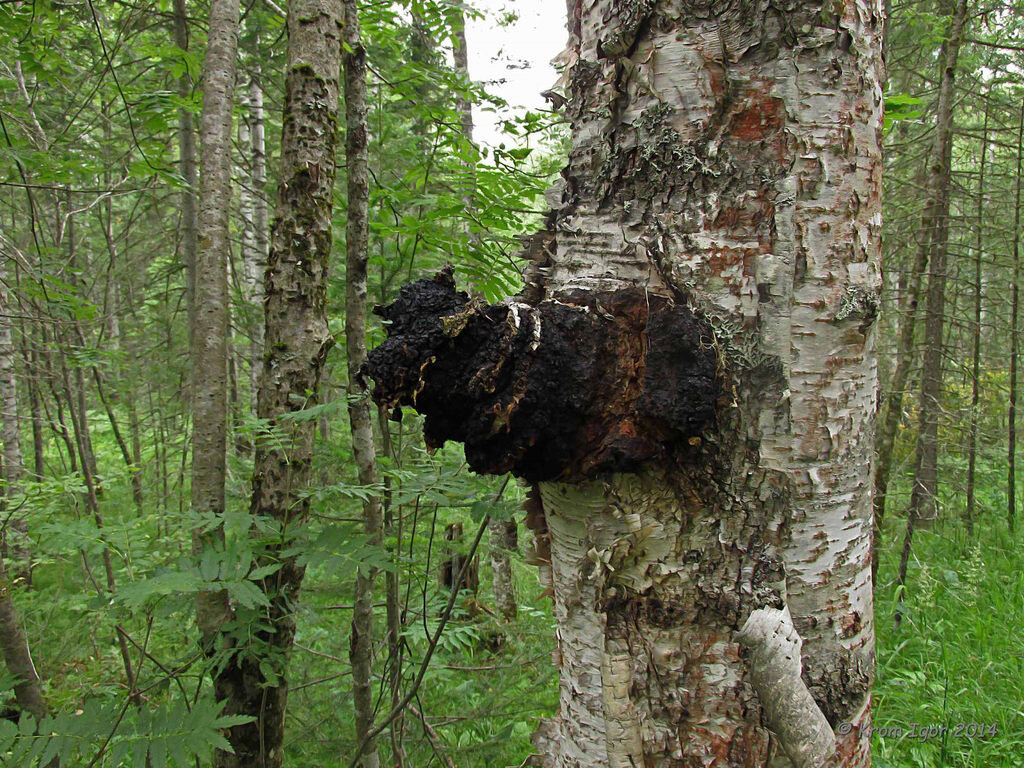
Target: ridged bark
x,y
504,538
297,342
359,413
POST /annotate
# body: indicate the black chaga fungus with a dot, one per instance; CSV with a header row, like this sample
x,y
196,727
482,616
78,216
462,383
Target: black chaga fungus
x,y
566,389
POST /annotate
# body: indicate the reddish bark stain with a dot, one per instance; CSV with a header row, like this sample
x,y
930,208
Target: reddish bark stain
x,y
760,116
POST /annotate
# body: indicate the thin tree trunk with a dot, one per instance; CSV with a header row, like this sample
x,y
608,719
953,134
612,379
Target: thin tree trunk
x,y
187,168
924,493
972,434
393,533
35,407
112,334
58,425
15,527
254,234
504,536
1011,450
27,689
357,254
209,359
923,506
297,342
932,234
76,395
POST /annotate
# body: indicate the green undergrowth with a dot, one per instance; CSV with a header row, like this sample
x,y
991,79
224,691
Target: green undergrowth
x,y
950,679
487,686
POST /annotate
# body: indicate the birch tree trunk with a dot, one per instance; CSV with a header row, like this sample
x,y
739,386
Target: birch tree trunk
x,y
14,530
251,137
728,158
297,342
714,250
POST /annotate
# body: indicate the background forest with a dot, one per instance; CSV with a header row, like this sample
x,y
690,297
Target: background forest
x,y
100,104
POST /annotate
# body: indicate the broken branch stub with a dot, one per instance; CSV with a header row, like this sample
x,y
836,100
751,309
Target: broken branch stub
x,y
565,389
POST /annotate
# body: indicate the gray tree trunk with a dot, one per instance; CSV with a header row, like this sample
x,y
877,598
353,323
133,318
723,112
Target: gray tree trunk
x,y
187,167
923,505
1011,416
972,432
297,342
210,317
357,253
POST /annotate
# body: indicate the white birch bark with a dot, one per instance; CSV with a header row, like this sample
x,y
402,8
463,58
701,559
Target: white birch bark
x,y
726,155
255,243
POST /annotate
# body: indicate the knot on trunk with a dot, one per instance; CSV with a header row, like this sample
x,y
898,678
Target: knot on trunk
x,y
564,389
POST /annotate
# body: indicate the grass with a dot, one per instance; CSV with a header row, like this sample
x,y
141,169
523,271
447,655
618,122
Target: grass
x,y
955,666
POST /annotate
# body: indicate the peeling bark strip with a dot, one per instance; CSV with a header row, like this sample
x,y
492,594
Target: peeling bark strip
x,y
725,156
803,731
566,389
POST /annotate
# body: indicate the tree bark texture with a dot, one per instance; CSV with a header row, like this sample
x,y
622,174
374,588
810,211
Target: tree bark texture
x,y
210,316
297,342
692,381
923,498
504,540
359,412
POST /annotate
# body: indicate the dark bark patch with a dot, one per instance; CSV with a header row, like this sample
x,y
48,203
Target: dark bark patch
x,y
840,688
565,389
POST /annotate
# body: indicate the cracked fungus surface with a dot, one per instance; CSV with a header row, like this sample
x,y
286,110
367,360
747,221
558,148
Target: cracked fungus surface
x,y
565,389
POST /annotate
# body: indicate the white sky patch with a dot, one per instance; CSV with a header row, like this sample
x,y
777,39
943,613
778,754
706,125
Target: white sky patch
x,y
513,61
